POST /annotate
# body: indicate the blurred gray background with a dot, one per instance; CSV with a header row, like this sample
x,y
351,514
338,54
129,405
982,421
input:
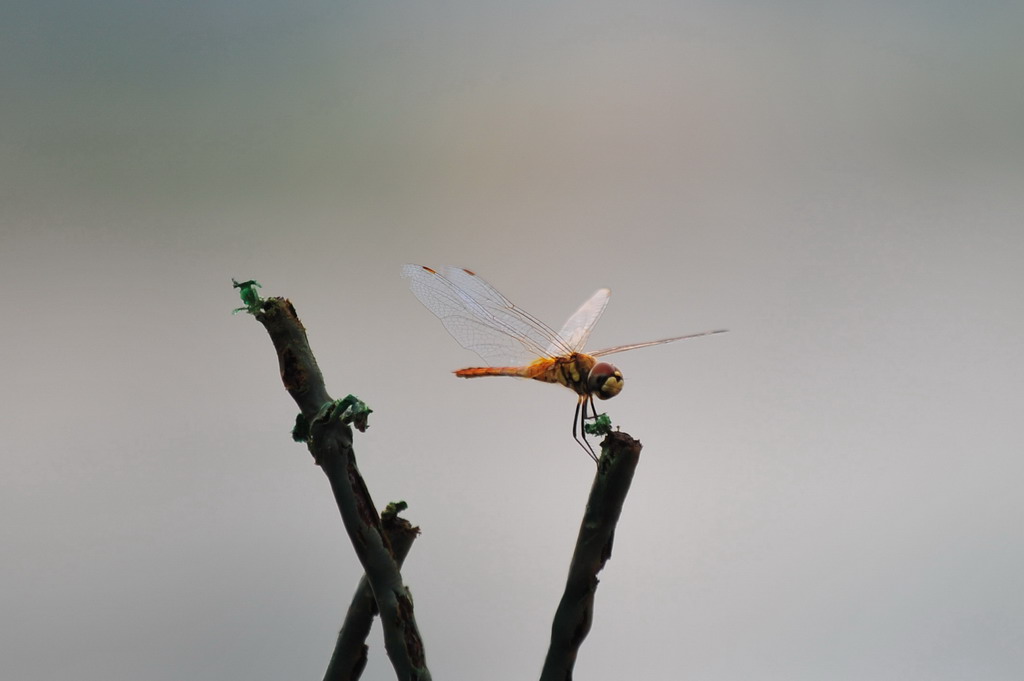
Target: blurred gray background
x,y
829,491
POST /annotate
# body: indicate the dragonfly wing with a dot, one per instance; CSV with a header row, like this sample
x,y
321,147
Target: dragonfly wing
x,y
577,328
634,346
479,317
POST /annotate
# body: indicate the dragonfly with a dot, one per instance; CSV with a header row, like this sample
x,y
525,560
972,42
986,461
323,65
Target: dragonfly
x,y
515,343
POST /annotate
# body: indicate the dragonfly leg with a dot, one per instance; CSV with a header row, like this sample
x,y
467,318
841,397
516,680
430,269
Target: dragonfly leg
x,y
581,405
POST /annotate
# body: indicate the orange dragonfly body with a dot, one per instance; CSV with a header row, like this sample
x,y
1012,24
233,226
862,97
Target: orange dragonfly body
x,y
515,343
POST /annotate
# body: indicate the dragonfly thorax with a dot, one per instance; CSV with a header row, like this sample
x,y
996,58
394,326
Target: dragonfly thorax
x,y
578,371
604,380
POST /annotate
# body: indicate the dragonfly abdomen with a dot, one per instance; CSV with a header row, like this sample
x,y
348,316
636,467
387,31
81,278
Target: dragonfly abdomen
x,y
474,372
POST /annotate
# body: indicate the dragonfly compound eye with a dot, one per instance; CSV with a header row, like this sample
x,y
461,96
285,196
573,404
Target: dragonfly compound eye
x,y
605,380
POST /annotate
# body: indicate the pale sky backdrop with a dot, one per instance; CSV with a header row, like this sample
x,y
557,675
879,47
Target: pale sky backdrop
x,y
832,490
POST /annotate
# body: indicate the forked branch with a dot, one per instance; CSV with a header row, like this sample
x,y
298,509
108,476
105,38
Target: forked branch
x,y
330,443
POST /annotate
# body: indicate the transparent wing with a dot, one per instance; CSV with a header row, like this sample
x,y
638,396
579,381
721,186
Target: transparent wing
x,y
577,328
634,346
480,318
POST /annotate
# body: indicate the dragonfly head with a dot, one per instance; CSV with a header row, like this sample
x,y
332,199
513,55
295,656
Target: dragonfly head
x,y
604,380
